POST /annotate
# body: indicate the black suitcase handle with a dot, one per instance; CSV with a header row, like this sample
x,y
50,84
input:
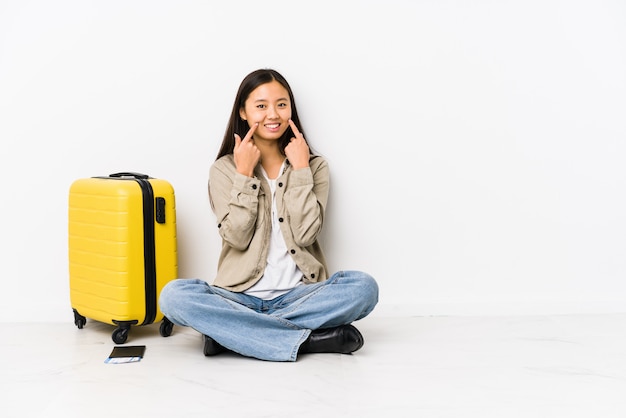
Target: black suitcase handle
x,y
130,174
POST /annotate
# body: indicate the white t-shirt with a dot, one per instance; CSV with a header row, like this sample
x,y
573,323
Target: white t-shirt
x,y
281,273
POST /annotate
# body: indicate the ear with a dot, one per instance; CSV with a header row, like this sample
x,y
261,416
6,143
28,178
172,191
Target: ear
x,y
242,114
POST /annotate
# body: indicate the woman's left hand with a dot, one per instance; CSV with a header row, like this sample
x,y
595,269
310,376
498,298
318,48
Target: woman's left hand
x,y
297,151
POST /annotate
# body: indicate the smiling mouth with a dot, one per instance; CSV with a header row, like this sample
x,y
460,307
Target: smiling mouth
x,y
272,125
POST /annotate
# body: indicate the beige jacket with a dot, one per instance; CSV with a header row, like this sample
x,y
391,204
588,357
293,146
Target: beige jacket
x,y
242,206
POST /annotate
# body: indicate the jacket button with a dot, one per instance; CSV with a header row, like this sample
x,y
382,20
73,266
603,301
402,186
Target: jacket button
x,y
219,225
292,251
280,184
280,219
254,186
312,275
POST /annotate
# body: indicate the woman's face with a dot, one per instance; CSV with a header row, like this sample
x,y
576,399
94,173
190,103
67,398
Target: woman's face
x,y
270,107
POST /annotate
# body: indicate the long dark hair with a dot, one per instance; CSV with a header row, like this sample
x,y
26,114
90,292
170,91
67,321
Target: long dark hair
x,y
238,126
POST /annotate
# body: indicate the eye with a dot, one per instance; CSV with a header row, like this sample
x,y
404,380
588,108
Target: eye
x,y
282,105
261,106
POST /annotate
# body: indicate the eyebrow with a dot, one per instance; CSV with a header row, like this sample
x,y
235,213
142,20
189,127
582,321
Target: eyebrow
x,y
265,100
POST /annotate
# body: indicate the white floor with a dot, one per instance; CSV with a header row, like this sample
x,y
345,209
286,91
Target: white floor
x,y
539,366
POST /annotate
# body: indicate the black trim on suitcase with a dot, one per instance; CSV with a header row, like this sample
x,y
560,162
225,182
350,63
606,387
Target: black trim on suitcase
x,y
149,250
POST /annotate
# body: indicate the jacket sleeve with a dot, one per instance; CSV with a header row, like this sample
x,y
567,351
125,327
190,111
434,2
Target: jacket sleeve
x,y
305,201
234,200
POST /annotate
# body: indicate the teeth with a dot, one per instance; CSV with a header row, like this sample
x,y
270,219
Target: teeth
x,y
272,126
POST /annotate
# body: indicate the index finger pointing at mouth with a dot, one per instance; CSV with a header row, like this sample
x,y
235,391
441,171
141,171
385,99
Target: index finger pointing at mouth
x,y
248,136
295,130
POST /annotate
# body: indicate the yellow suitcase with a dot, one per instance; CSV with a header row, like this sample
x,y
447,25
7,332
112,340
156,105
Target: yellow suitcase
x,y
122,250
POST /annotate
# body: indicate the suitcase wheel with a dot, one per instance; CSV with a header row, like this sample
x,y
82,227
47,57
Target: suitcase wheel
x,y
120,335
79,320
166,327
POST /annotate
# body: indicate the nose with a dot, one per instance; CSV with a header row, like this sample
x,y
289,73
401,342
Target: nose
x,y
272,112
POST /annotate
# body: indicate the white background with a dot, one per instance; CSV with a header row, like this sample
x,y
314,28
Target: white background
x,y
476,148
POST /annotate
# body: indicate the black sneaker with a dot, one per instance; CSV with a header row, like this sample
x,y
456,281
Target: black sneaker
x,y
344,339
211,347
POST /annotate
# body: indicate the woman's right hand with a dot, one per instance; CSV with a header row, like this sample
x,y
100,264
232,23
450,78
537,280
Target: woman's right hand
x,y
246,153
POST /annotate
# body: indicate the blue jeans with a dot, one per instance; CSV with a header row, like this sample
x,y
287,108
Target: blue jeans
x,y
269,329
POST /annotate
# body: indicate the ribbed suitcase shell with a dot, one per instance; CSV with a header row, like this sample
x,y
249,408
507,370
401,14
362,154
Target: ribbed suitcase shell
x,y
122,249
